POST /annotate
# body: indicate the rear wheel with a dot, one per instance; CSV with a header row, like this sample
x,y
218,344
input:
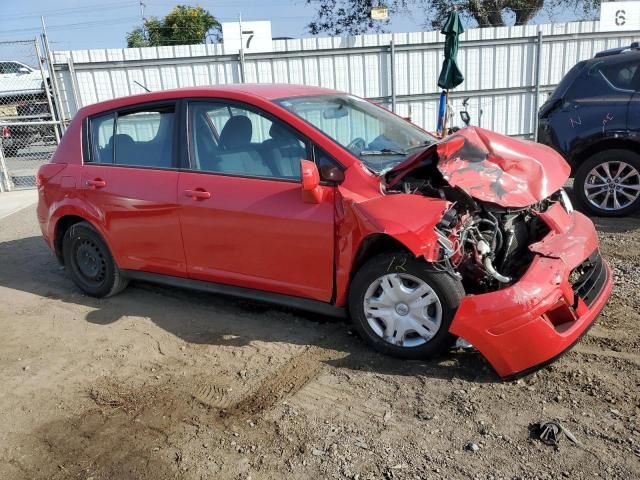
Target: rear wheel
x,y
607,184
90,263
402,306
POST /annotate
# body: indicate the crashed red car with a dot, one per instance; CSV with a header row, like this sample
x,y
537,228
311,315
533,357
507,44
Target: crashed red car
x,y
323,201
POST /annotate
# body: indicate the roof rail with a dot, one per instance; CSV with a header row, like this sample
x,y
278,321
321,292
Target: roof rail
x,y
616,51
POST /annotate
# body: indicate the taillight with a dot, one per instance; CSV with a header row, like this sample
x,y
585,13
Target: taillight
x,y
6,133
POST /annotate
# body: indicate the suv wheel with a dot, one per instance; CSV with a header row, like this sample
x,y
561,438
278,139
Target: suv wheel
x,y
607,184
90,263
402,306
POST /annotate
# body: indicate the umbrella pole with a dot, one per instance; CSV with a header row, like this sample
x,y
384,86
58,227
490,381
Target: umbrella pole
x,y
446,107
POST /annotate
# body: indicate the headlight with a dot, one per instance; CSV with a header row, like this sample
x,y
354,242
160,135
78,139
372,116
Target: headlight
x,y
566,202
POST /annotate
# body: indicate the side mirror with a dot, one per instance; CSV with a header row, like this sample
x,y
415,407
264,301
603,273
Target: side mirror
x,y
24,70
466,118
331,173
310,179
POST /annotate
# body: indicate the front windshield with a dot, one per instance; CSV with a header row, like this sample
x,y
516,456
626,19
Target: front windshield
x,y
379,138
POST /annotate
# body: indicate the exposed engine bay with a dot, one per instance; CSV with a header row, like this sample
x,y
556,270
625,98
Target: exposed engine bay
x,y
486,245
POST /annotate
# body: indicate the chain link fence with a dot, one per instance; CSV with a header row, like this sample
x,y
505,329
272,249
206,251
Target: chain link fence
x,y
29,131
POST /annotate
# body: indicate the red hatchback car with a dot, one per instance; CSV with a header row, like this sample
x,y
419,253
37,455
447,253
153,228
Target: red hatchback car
x,y
323,201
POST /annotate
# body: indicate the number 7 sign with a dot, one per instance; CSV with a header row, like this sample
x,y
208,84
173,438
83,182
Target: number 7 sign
x,y
254,37
247,36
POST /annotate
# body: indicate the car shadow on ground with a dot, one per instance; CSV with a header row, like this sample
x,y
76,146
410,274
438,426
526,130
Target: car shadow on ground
x,y
201,318
612,224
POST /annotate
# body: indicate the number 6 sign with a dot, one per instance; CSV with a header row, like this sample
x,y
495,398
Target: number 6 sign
x,y
618,16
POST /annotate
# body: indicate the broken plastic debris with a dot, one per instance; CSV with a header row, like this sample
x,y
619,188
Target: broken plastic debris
x,y
462,343
550,433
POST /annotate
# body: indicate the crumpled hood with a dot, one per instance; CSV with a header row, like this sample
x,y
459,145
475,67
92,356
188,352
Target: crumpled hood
x,y
494,168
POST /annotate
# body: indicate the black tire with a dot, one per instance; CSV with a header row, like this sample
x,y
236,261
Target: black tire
x,y
582,179
448,289
90,263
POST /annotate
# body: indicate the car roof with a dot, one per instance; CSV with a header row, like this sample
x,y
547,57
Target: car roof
x,y
264,91
633,49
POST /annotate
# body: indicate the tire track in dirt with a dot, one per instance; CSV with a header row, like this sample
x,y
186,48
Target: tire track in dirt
x,y
587,350
288,379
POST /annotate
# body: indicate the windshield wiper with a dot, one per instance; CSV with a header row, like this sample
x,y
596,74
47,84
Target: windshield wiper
x,y
383,151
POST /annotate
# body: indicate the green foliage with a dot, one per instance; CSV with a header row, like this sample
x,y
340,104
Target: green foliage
x,y
352,17
183,25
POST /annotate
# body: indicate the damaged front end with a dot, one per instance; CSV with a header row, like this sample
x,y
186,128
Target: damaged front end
x,y
512,238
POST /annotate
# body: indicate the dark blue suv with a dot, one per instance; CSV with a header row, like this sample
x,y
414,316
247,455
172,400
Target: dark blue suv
x,y
593,119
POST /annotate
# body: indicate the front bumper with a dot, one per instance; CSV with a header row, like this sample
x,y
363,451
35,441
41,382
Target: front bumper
x,y
530,323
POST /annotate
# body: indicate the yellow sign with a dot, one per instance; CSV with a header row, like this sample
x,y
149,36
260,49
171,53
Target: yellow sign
x,y
379,13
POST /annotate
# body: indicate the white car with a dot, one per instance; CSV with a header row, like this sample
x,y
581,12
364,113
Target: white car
x,y
17,79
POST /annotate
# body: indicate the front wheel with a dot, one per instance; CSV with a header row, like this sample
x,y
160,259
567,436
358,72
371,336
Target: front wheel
x,y
402,306
90,263
607,184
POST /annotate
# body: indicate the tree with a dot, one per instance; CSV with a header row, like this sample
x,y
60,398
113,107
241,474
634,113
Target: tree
x,y
183,25
498,13
349,17
352,17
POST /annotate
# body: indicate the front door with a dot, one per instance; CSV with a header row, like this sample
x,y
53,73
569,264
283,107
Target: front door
x,y
130,181
243,219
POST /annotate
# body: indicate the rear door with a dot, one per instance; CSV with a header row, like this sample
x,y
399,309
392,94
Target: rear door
x,y
130,179
243,219
597,103
633,116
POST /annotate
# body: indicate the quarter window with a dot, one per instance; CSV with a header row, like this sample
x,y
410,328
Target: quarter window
x,y
102,138
143,138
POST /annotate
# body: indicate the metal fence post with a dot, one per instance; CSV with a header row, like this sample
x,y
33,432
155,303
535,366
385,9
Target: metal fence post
x,y
74,83
52,76
41,64
536,99
392,65
5,179
241,64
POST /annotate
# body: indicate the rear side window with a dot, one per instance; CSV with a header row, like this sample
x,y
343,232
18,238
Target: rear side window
x,y
142,138
605,78
620,75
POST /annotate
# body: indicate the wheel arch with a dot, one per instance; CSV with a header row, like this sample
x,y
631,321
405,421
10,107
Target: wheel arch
x,y
63,224
600,146
400,222
373,245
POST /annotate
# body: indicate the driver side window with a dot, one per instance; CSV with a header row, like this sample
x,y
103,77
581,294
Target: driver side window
x,y
230,139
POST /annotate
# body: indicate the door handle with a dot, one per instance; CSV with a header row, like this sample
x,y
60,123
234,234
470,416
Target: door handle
x,y
198,194
97,183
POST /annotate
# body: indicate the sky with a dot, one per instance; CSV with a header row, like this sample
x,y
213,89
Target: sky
x,y
85,24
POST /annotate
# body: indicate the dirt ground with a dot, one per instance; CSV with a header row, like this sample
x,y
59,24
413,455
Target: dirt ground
x,y
163,383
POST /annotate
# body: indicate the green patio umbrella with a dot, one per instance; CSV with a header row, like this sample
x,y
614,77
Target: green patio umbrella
x,y
450,75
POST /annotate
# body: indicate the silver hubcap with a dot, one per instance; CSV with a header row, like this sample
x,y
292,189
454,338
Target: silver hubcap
x,y
612,185
403,310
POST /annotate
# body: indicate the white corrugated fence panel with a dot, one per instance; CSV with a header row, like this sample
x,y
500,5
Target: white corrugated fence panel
x,y
498,65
